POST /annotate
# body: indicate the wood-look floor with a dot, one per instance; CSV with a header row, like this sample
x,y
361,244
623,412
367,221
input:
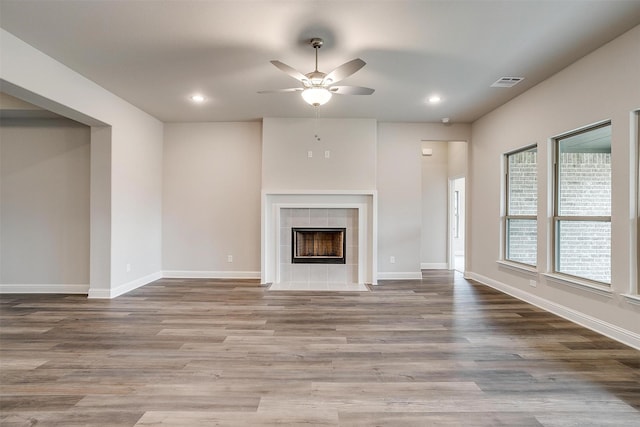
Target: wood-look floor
x,y
436,352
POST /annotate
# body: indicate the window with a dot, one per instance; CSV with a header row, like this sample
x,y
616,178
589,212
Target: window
x,y
521,221
582,208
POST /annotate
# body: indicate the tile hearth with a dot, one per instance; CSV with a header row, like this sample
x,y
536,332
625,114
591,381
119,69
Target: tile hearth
x,y
319,286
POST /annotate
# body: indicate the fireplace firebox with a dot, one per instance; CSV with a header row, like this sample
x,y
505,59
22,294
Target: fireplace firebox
x,y
318,245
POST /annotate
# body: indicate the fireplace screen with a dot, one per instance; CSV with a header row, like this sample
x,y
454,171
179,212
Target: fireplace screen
x,y
318,245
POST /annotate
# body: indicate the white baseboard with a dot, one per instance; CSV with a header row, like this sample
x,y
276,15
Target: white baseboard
x,y
189,274
124,288
607,329
44,289
399,275
434,266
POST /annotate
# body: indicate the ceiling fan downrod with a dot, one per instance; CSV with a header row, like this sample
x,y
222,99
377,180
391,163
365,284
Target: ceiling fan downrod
x,y
317,43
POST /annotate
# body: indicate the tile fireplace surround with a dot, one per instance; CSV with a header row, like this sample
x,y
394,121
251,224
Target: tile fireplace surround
x,y
319,217
352,210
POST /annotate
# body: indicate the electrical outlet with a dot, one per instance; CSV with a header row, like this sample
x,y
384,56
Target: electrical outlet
x,y
229,258
392,259
309,154
533,283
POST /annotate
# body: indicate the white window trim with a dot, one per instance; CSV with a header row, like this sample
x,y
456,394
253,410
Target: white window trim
x,y
504,218
579,283
559,277
518,266
632,299
634,186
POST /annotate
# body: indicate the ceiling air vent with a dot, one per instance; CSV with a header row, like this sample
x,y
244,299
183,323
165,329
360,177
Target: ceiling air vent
x,y
507,81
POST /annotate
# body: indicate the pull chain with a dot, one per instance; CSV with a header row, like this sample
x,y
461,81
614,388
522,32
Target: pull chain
x,y
316,135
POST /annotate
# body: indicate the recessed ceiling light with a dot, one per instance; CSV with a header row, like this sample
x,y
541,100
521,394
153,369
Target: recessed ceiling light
x,y
434,99
197,98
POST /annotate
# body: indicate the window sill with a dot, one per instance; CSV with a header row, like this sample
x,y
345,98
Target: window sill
x,y
519,267
632,299
580,284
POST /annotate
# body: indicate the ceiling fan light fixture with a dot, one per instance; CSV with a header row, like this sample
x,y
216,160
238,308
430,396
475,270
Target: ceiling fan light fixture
x,y
316,96
197,98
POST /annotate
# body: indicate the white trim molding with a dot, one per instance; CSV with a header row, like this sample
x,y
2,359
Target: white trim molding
x,y
125,287
632,298
524,268
399,275
617,333
44,289
188,274
579,284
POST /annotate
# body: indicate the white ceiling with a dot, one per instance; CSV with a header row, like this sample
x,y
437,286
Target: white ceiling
x,y
155,54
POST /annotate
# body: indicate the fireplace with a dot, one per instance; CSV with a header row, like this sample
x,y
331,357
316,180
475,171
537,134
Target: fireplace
x,y
318,245
353,210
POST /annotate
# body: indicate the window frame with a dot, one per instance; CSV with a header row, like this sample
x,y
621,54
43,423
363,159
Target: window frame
x,y
635,226
556,218
633,295
507,216
635,261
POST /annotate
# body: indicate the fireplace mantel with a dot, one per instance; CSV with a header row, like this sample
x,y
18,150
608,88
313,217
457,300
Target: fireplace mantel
x,y
365,201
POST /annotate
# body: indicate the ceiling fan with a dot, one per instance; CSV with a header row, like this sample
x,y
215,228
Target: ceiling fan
x,y
317,86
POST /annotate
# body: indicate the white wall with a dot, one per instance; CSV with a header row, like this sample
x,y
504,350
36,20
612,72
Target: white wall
x,y
44,203
136,203
457,156
601,86
211,199
126,190
287,142
399,184
435,189
346,178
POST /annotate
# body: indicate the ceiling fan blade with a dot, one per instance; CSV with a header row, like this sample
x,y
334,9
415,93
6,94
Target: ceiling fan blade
x,y
351,90
344,71
290,89
290,71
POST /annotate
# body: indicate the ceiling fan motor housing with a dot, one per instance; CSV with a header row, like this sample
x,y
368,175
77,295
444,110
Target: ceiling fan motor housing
x,y
316,78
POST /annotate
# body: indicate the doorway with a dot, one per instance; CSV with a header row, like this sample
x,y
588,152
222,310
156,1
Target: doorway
x,y
457,224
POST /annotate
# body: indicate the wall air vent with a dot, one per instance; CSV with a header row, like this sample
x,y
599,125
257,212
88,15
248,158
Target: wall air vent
x,y
507,81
